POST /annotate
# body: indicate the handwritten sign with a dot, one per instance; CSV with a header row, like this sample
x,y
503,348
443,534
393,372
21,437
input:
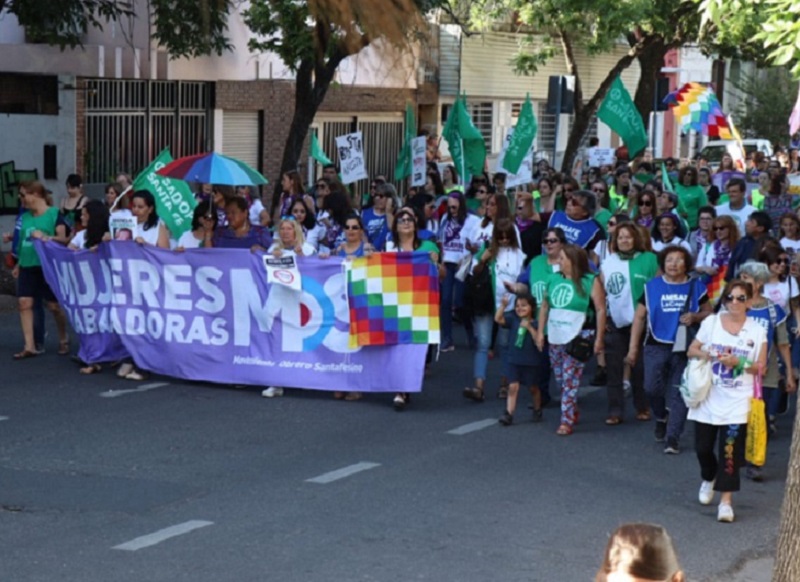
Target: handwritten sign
x,y
418,161
599,157
351,157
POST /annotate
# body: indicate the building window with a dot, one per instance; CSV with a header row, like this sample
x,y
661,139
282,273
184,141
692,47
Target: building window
x,y
482,114
28,94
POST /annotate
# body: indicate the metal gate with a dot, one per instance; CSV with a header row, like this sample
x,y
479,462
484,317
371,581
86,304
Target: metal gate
x,y
383,138
129,122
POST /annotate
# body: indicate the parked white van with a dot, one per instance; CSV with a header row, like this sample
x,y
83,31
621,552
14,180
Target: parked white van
x,y
714,149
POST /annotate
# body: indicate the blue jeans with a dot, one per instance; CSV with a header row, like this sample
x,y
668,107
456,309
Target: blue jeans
x,y
452,294
772,401
483,332
662,378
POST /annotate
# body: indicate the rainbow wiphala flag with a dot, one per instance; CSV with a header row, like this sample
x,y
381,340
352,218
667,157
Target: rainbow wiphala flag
x,y
393,299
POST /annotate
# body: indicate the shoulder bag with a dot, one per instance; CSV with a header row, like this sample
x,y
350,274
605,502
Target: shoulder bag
x,y
697,377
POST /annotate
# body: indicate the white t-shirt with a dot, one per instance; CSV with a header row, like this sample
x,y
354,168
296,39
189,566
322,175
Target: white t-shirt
x,y
312,236
255,211
507,267
792,247
455,249
150,235
728,400
308,250
79,240
780,292
188,241
659,246
739,216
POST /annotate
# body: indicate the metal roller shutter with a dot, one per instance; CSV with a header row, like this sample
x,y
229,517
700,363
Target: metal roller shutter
x,y
240,136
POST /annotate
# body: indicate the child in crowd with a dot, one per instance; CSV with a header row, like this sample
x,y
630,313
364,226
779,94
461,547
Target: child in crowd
x,y
524,358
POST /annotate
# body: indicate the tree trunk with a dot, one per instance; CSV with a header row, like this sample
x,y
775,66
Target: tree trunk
x,y
787,558
585,111
651,59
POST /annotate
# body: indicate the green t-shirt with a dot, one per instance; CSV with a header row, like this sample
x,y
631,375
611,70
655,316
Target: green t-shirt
x,y
539,271
46,222
428,246
603,216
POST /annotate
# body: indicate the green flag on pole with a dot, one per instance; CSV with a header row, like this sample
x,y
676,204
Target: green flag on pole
x,y
175,202
665,181
402,169
315,151
522,138
620,114
464,141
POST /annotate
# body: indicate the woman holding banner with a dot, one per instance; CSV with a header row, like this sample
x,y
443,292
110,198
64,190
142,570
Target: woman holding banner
x,y
405,238
313,231
42,221
291,240
94,226
239,233
204,220
149,229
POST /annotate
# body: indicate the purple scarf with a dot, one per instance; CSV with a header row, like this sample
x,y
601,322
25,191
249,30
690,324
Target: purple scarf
x,y
722,253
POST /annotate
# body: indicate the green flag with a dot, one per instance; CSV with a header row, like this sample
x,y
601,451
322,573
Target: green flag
x,y
464,141
175,202
402,169
620,114
522,138
665,181
315,151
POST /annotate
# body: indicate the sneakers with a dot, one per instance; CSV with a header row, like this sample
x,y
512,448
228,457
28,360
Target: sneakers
x,y
706,494
672,448
506,419
725,513
447,348
272,392
661,430
600,377
399,402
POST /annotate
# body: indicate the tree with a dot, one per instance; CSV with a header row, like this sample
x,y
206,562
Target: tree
x,y
768,98
651,27
312,39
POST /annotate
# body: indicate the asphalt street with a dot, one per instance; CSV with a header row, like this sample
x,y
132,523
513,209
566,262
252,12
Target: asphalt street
x,y
104,479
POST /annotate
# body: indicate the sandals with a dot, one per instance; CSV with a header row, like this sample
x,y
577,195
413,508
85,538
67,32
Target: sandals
x,y
644,415
613,421
91,369
564,430
507,419
338,395
502,392
25,354
63,347
475,394
353,396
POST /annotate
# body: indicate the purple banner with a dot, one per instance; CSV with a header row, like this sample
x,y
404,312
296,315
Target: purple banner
x,y
209,314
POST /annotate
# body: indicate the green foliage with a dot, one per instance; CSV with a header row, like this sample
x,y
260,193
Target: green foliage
x,y
64,22
191,28
282,28
767,101
772,25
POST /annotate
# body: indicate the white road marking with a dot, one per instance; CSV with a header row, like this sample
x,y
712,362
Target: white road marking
x,y
342,473
161,535
473,426
142,388
3,418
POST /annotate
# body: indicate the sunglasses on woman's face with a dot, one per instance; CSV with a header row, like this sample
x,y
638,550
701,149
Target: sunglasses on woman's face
x,y
405,220
599,190
352,227
646,203
550,241
732,298
782,262
720,228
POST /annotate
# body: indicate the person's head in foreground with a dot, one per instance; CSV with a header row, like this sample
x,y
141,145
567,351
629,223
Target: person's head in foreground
x,y
640,552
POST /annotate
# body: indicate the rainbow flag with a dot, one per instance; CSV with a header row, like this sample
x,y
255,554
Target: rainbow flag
x,y
696,107
393,299
715,286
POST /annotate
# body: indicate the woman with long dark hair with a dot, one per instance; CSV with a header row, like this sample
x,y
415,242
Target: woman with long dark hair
x,y
566,321
94,226
204,222
149,229
312,230
337,209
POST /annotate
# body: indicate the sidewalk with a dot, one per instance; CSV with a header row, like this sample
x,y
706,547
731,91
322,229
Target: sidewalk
x,y
754,570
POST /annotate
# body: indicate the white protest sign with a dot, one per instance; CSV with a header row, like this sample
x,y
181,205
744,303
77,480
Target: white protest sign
x,y
283,271
418,161
351,157
122,225
525,173
599,157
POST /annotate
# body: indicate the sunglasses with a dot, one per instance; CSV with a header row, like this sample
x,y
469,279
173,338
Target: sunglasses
x,y
783,262
732,298
550,241
405,220
520,208
352,227
565,189
720,228
646,203
599,190
379,195
482,191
